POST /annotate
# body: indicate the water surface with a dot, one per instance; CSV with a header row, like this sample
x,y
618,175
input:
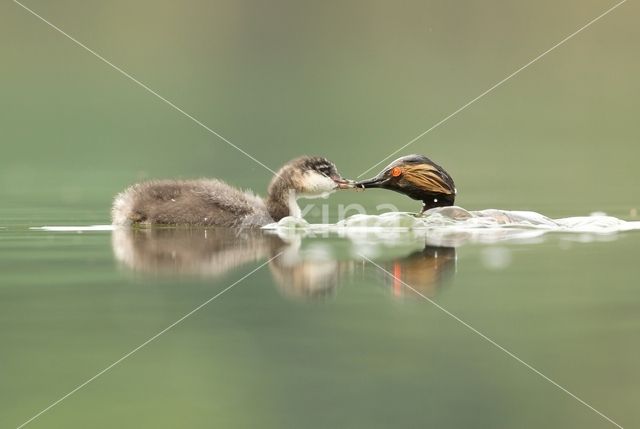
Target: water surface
x,y
325,334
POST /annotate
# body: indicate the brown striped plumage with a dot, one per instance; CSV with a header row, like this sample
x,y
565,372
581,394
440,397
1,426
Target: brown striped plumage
x,y
417,177
428,177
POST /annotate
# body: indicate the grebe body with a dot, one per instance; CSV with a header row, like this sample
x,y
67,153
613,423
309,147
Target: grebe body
x,y
212,202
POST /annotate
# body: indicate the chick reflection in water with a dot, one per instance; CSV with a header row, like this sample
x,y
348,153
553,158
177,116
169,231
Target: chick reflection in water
x,y
183,251
309,274
211,253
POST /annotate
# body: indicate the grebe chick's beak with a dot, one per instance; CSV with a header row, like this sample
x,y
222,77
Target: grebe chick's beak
x,y
417,177
342,183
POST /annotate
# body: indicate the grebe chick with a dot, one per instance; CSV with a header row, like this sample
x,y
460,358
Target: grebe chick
x,y
212,202
417,177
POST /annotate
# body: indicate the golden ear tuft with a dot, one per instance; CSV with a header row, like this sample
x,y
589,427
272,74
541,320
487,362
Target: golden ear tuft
x,y
396,171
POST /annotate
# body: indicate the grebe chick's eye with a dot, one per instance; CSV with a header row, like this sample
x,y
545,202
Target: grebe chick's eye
x,y
324,169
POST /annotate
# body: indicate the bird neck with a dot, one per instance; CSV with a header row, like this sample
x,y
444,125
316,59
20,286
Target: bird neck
x,y
281,201
437,200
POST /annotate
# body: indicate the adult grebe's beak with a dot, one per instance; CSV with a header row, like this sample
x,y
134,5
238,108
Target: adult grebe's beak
x,y
375,182
342,183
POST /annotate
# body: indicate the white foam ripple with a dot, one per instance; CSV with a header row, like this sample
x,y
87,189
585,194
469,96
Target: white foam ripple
x,y
453,226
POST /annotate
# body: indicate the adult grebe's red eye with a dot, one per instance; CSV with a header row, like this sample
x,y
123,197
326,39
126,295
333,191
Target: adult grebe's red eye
x,y
396,171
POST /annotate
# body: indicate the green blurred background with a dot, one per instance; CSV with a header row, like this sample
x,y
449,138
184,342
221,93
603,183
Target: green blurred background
x,y
349,80
352,81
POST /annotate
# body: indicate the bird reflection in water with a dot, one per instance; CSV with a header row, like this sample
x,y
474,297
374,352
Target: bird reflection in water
x,y
302,273
425,271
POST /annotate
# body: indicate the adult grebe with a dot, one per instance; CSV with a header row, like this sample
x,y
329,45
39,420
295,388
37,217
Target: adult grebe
x,y
211,202
417,177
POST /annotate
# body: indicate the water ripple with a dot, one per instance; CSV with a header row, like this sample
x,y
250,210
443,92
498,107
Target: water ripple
x,y
453,226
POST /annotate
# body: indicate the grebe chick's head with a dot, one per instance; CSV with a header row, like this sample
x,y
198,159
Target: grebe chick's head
x,y
417,177
309,176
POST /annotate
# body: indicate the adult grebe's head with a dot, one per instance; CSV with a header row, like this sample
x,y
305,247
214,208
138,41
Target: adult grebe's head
x,y
309,176
417,177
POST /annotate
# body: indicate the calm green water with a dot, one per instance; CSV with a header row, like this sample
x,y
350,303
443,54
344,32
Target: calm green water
x,y
318,337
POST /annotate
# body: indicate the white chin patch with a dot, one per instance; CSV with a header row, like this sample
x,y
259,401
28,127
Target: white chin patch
x,y
317,185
